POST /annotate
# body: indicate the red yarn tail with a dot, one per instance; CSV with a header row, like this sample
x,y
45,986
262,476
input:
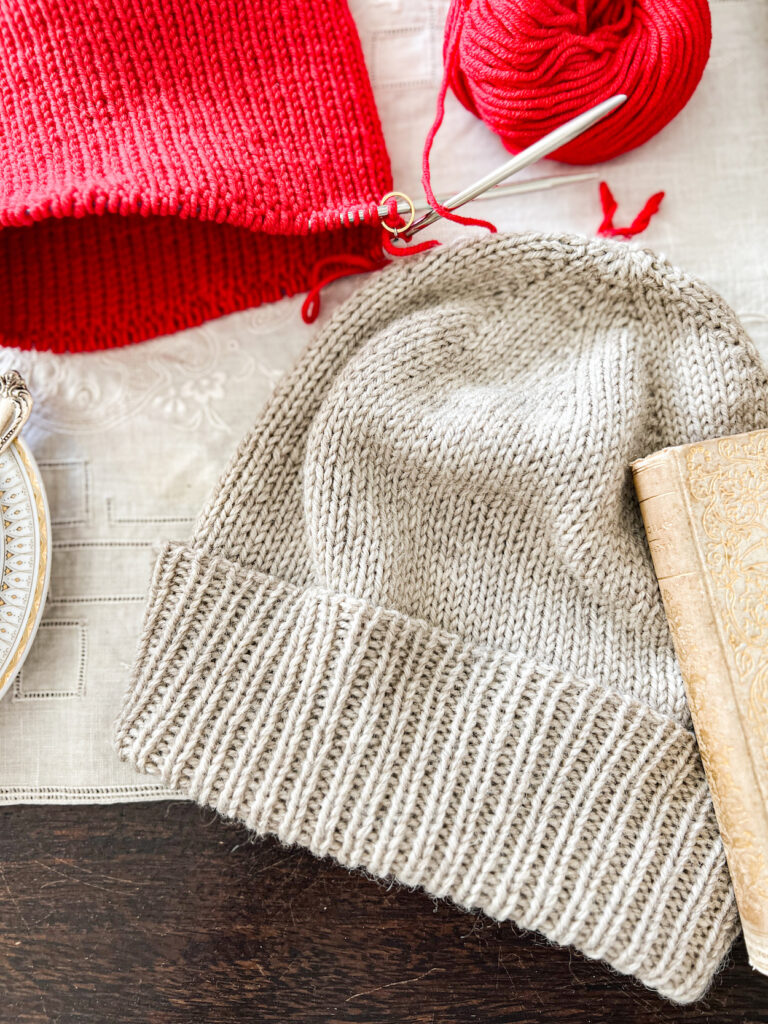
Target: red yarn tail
x,y
451,63
608,230
348,264
394,220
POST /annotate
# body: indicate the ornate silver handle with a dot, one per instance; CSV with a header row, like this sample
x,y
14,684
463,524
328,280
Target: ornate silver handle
x,y
15,406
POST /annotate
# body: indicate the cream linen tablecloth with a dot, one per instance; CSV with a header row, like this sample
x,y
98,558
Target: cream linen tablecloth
x,y
130,442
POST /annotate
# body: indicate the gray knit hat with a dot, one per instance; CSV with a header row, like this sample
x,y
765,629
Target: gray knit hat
x,y
418,628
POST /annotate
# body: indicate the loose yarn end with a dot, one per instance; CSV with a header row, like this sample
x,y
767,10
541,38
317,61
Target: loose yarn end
x,y
607,228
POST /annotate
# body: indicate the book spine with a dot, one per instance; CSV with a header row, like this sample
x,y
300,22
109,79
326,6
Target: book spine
x,y
707,675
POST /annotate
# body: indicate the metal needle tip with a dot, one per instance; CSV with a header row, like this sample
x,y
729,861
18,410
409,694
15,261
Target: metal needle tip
x,y
543,147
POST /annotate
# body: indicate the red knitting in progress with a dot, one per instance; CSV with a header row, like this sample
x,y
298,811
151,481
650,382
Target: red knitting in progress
x,y
166,162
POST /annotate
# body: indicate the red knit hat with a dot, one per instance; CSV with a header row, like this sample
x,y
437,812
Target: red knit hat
x,y
167,161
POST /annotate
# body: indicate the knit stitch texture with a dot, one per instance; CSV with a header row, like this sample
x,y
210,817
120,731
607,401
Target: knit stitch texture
x,y
165,162
418,629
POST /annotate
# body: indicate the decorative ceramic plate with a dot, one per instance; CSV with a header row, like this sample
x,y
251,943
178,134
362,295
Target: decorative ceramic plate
x,y
25,533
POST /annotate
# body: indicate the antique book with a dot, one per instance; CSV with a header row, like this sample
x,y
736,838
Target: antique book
x,y
705,509
706,512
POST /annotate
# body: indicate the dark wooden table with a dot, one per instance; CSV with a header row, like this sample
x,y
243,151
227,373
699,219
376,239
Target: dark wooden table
x,y
163,914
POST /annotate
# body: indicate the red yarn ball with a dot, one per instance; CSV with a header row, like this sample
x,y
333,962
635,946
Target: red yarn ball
x,y
526,66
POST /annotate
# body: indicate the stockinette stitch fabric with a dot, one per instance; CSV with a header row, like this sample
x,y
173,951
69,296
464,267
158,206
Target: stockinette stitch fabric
x,y
417,628
166,162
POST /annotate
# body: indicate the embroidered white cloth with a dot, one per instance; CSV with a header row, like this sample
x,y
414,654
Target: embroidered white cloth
x,y
130,442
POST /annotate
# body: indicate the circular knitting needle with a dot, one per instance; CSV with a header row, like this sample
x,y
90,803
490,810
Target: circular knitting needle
x,y
548,144
517,188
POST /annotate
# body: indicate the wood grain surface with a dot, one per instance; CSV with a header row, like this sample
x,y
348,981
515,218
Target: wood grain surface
x,y
162,913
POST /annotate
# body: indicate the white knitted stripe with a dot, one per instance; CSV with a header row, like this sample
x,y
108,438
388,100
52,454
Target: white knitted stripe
x,y
373,738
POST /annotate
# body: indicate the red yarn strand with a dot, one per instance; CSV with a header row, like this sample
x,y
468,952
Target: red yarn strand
x,y
346,266
349,264
450,58
607,228
394,220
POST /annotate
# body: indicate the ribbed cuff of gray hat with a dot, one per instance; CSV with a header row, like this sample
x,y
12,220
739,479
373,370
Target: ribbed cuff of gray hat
x,y
360,733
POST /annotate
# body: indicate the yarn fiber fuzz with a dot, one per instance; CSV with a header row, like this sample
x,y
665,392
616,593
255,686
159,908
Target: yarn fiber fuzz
x,y
526,66
418,629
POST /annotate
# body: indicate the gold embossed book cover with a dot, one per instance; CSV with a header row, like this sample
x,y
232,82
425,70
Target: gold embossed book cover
x,y
705,509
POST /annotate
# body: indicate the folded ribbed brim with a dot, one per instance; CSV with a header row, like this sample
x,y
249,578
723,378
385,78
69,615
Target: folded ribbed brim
x,y
60,289
374,738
